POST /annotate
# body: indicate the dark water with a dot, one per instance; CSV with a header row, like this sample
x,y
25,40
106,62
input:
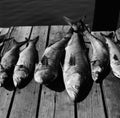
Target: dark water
x,y
43,12
46,12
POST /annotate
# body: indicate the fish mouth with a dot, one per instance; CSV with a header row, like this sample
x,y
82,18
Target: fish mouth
x,y
73,85
19,77
46,76
3,78
95,76
96,72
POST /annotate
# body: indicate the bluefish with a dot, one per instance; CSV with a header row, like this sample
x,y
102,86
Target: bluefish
x,y
76,69
26,63
99,54
114,55
47,69
9,60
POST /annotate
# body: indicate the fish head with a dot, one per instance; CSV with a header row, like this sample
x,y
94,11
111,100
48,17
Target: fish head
x,y
96,72
45,75
18,77
3,77
73,85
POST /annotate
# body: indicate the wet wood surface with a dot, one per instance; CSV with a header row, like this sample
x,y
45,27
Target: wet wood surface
x,y
39,101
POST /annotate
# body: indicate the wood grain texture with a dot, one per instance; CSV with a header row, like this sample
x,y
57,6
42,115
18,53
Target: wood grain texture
x,y
92,105
26,99
46,108
5,95
111,89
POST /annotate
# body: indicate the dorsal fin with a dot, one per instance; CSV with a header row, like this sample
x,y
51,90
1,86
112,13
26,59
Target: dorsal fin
x,y
72,60
44,60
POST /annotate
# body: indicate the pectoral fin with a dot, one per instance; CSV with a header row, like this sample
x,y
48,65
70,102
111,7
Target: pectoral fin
x,y
72,60
44,60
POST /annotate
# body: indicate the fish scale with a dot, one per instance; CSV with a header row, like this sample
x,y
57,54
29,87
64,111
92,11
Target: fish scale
x,y
76,69
99,55
25,64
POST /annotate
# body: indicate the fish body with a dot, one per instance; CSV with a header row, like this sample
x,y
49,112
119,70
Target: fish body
x,y
9,60
76,69
114,52
47,69
25,64
99,56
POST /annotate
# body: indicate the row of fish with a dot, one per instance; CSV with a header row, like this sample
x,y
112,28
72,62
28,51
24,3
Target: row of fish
x,y
18,63
79,67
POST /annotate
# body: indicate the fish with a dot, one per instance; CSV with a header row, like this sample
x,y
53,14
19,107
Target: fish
x,y
99,55
47,69
76,68
26,63
114,55
3,39
9,60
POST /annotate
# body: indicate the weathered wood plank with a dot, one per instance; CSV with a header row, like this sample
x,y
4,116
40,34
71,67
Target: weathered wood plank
x,y
92,105
5,95
111,89
47,104
56,104
26,101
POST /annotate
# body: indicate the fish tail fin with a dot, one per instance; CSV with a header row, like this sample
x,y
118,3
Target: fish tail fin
x,y
111,35
19,44
83,25
77,25
34,40
7,39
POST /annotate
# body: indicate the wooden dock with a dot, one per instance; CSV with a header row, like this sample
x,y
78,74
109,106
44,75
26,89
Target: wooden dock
x,y
36,101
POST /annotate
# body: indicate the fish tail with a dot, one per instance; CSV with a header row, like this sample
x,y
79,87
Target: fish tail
x,y
34,40
19,44
84,27
110,35
61,44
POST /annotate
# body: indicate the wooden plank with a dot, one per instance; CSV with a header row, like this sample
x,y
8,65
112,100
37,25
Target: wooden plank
x,y
26,101
47,103
5,95
111,89
92,105
55,102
